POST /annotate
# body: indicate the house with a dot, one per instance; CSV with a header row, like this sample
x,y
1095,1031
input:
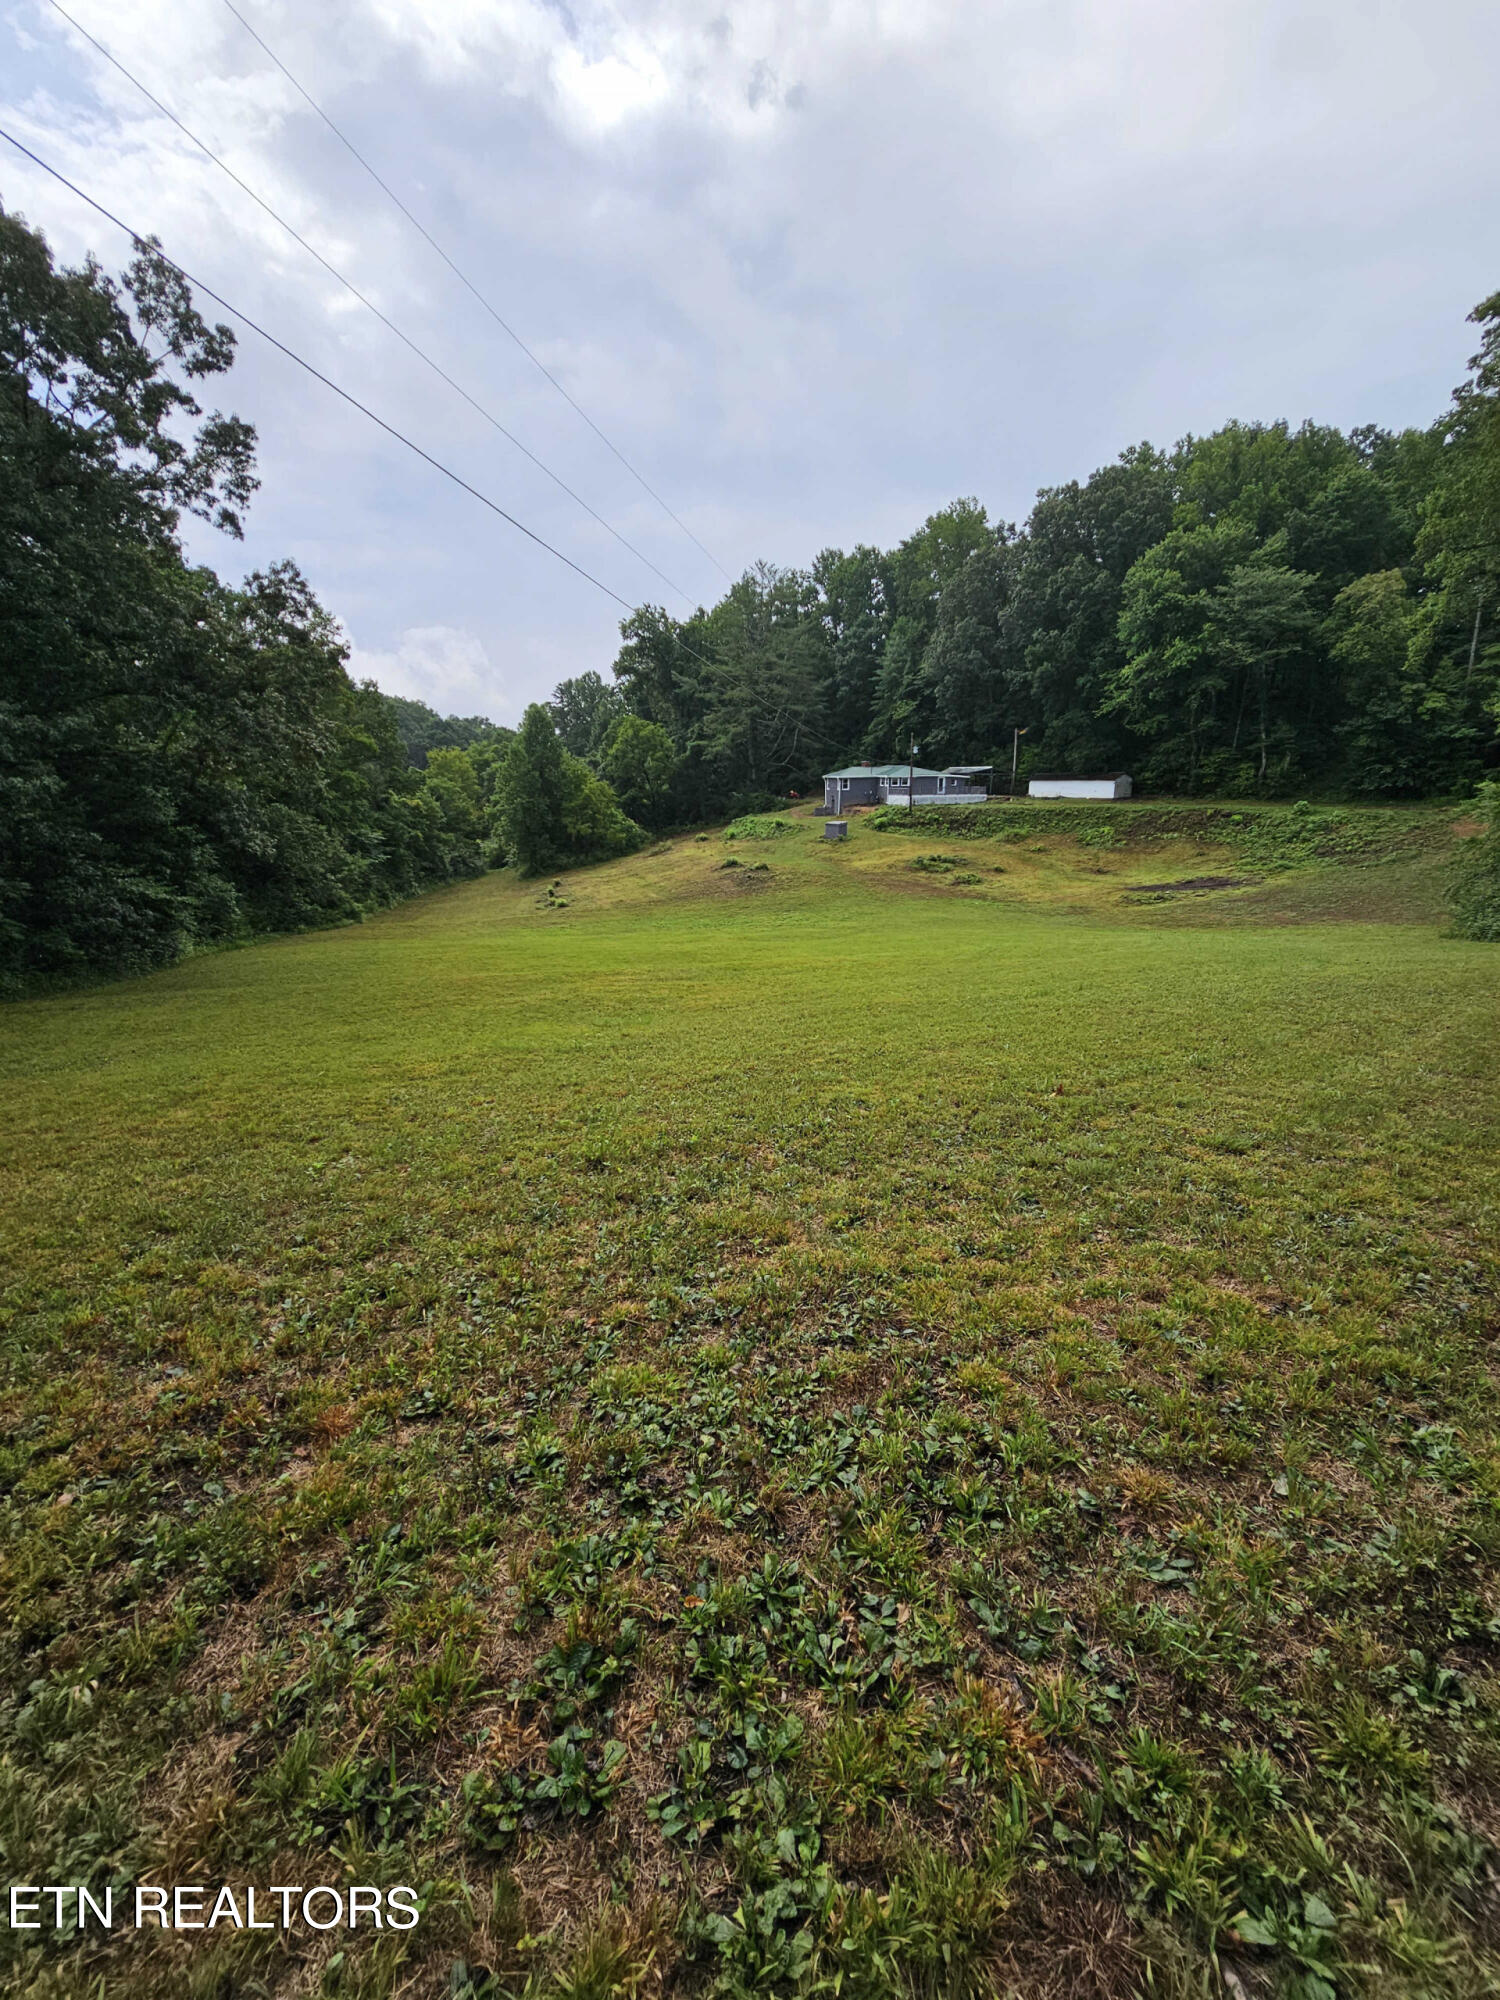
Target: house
x,y
887,784
1114,785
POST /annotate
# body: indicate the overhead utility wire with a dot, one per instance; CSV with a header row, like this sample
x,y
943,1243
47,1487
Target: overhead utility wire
x,y
317,374
369,304
470,286
291,354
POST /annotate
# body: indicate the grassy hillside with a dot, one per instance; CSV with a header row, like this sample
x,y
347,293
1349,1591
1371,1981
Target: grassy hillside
x,y
911,1417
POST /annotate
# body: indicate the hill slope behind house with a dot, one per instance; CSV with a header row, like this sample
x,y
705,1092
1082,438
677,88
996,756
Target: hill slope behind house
x,y
1159,863
749,1427
1209,863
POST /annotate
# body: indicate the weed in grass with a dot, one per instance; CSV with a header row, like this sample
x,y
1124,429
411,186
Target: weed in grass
x,y
982,1475
760,826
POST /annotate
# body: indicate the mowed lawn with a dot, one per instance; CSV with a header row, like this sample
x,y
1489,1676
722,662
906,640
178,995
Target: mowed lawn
x,y
820,1429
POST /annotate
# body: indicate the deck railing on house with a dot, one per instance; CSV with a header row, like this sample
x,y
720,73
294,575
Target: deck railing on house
x,y
896,795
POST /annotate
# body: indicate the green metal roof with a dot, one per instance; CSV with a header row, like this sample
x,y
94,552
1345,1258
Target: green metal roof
x,y
883,771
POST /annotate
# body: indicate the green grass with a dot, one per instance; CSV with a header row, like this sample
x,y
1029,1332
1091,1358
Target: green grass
x,y
826,1428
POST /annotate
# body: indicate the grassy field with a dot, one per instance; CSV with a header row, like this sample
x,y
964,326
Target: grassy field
x,y
908,1418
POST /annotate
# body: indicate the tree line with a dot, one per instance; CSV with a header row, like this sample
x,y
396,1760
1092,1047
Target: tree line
x,y
185,762
1260,611
181,761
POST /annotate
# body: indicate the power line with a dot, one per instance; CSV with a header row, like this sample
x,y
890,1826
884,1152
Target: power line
x,y
144,243
235,312
469,285
368,303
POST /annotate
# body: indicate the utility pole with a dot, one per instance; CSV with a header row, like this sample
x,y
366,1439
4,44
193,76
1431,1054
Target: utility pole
x,y
1015,757
911,777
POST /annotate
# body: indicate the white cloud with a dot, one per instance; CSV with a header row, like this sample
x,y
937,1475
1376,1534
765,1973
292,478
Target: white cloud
x,y
448,669
612,88
816,266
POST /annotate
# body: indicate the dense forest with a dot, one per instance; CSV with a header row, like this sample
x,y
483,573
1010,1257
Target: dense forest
x,y
1262,611
183,762
422,730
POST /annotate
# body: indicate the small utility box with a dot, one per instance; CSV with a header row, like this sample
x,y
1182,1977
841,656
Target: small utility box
x,y
835,829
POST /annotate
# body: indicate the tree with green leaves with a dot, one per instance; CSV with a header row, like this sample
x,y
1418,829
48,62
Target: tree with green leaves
x,y
964,668
1173,684
531,795
1459,544
99,620
658,668
762,693
451,783
920,568
639,763
550,809
180,762
855,594
422,729
1402,733
584,711
1062,645
1261,619
1259,475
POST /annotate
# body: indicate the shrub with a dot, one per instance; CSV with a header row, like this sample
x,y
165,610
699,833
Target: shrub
x,y
755,826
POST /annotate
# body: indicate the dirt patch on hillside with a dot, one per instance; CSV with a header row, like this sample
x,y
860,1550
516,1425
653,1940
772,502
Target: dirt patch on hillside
x,y
1402,892
1194,883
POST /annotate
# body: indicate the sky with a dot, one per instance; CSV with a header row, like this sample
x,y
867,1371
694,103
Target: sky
x,y
813,267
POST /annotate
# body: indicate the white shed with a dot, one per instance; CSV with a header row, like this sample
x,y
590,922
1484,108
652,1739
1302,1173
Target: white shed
x,y
1115,785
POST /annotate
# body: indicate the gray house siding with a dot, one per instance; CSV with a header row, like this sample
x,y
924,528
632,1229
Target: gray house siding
x,y
895,784
841,792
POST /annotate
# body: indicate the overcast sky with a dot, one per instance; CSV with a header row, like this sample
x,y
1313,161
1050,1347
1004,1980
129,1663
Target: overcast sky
x,y
815,269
